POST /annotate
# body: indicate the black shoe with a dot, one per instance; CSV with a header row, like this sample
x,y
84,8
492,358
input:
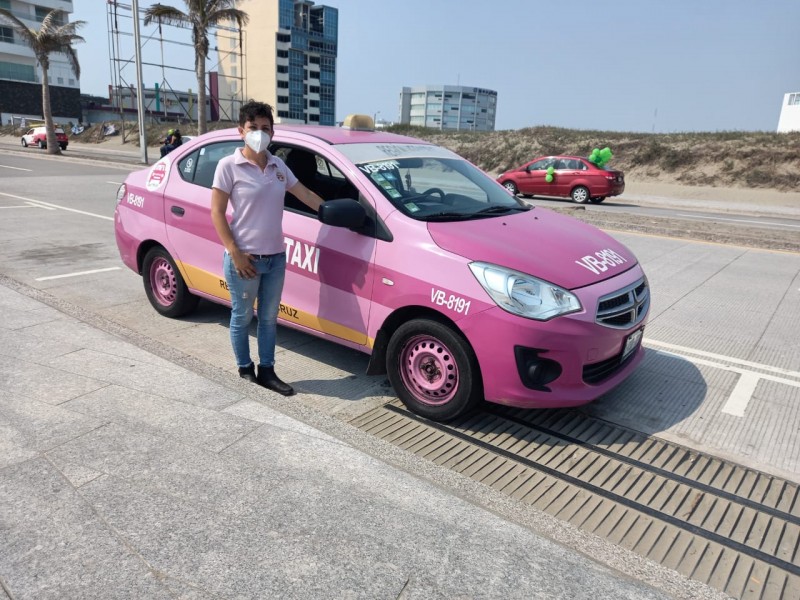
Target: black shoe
x,y
268,379
248,373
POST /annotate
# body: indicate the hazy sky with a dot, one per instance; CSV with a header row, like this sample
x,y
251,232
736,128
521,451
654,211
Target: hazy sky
x,y
621,65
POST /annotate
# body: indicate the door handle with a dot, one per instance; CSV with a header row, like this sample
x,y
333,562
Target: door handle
x,y
177,210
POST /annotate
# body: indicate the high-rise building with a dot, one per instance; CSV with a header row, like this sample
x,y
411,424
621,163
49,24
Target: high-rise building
x,y
287,58
448,107
20,74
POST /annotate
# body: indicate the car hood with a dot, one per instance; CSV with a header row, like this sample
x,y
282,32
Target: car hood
x,y
539,242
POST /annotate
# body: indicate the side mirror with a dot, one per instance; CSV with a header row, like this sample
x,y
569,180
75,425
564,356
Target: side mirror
x,y
344,212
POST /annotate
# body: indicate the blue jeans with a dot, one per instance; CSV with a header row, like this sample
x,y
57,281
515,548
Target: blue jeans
x,y
266,287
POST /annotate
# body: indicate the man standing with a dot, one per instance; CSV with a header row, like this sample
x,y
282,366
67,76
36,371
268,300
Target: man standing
x,y
254,182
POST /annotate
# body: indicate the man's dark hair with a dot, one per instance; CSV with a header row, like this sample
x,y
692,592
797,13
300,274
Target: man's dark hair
x,y
253,109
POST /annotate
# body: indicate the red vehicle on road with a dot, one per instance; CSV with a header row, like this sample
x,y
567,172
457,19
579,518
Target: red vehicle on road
x,y
573,177
37,136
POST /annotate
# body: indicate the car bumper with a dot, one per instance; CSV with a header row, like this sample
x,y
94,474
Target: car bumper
x,y
567,361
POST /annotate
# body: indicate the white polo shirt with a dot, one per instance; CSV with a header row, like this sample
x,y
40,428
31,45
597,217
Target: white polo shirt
x,y
256,198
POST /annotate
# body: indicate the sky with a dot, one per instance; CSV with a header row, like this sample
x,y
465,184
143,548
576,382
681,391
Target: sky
x,y
616,65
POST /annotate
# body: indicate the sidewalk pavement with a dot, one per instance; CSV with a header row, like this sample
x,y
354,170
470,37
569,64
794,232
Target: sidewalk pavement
x,y
125,474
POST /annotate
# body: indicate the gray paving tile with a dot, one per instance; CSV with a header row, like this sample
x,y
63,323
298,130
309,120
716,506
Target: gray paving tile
x,y
39,426
55,546
46,383
398,529
187,424
145,375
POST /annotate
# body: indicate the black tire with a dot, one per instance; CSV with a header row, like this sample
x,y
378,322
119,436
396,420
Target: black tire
x,y
63,146
42,145
164,285
24,143
433,370
580,195
598,199
511,187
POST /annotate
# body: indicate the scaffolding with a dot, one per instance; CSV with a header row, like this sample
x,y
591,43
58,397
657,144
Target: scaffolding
x,y
164,49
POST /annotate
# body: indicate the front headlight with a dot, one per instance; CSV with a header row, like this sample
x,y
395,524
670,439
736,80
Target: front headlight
x,y
524,295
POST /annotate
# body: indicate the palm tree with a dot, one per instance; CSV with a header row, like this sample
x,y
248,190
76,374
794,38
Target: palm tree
x,y
201,15
53,36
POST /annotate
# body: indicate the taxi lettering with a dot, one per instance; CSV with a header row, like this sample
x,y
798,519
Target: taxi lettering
x,y
601,261
135,199
456,303
288,311
303,256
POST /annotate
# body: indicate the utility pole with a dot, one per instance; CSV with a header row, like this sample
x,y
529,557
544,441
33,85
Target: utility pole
x,y
139,89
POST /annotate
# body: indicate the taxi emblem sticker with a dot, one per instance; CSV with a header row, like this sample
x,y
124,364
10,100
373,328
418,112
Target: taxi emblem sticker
x,y
157,176
280,176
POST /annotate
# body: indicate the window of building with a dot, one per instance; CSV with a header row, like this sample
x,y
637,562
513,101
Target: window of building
x,y
283,69
314,89
313,103
233,57
283,99
5,4
60,80
42,12
285,38
18,72
794,99
7,35
283,113
283,54
234,72
313,118
283,84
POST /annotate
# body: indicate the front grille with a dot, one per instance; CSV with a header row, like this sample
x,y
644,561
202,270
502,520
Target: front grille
x,y
624,308
597,372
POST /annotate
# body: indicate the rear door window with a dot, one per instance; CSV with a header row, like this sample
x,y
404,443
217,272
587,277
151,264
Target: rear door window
x,y
199,166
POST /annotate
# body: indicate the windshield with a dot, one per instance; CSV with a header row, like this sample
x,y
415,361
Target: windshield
x,y
430,183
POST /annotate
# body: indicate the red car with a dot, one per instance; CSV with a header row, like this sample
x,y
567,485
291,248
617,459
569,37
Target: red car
x,y
572,177
37,136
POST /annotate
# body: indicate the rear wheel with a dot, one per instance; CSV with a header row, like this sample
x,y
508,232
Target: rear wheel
x,y
598,199
42,145
511,187
164,285
580,195
63,146
433,370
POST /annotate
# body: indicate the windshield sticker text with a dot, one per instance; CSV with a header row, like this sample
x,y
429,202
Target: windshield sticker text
x,y
387,165
601,261
455,303
303,256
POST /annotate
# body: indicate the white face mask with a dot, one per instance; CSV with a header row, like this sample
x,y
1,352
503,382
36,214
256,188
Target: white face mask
x,y
258,141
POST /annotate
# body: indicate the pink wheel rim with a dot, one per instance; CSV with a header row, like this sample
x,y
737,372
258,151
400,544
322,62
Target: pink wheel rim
x,y
163,282
429,370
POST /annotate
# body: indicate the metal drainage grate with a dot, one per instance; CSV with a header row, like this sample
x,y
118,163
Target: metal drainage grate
x,y
733,528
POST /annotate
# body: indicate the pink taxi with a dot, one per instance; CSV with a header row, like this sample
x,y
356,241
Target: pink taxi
x,y
457,290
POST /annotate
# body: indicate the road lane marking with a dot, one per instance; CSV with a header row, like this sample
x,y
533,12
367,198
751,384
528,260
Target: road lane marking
x,y
742,393
26,206
744,363
14,168
739,220
114,182
78,273
41,204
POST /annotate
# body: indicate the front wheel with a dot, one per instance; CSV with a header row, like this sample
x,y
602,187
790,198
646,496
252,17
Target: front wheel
x,y
42,145
580,195
164,285
24,143
433,370
511,187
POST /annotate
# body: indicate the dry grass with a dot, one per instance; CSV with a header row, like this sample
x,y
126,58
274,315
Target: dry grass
x,y
724,159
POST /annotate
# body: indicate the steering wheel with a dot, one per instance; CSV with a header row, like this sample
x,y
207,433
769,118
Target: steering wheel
x,y
434,190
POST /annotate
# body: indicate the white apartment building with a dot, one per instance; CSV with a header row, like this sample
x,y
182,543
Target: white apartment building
x,y
449,107
20,74
790,113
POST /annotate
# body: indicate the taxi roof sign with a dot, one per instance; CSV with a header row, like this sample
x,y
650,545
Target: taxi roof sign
x,y
359,123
